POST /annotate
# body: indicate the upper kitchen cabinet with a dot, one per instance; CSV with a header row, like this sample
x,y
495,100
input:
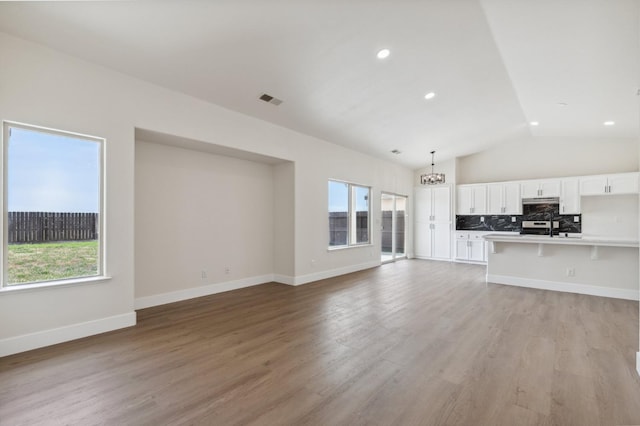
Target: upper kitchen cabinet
x,y
622,183
472,199
540,188
570,197
503,198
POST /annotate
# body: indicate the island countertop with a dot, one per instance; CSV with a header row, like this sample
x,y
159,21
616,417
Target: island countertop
x,y
584,240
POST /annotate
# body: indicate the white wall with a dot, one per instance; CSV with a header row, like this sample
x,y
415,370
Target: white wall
x,y
41,87
47,88
199,212
313,168
610,216
547,158
284,222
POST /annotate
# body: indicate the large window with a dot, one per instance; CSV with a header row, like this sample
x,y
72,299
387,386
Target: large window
x,y
349,214
52,206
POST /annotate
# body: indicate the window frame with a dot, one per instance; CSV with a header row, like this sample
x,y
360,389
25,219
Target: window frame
x,y
352,216
101,274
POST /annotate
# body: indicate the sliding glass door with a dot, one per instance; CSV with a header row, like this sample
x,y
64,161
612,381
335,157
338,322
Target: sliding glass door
x,y
393,238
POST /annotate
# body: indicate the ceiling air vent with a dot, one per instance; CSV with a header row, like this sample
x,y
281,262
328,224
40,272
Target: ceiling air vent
x,y
270,99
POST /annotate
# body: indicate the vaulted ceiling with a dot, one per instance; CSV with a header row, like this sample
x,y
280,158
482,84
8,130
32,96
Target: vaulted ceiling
x,y
494,65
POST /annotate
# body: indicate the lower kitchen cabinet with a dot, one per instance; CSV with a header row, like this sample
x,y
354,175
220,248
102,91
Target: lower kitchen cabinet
x,y
470,246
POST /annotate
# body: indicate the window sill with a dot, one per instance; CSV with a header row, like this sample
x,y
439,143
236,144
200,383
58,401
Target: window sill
x,y
338,248
51,284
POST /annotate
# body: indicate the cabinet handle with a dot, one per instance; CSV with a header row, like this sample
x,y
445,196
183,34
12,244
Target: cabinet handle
x,y
562,209
609,189
605,189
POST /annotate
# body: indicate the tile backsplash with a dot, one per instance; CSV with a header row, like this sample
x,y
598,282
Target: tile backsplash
x,y
504,222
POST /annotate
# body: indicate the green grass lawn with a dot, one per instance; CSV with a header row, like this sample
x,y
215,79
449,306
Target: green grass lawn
x,y
52,261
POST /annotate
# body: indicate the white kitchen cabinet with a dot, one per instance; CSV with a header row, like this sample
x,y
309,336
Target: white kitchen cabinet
x,y
570,196
432,239
470,246
477,249
622,183
503,198
462,246
540,188
471,199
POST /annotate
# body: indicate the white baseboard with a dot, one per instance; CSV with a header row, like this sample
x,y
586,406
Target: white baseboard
x,y
616,293
283,279
305,279
205,290
471,262
27,342
439,259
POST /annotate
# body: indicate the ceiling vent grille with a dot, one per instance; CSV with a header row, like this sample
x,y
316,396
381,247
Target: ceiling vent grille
x,y
270,99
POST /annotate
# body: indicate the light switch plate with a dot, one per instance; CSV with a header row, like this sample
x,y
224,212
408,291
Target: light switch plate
x,y
576,219
481,218
513,219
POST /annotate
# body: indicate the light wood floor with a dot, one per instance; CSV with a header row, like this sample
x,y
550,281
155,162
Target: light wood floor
x,y
415,342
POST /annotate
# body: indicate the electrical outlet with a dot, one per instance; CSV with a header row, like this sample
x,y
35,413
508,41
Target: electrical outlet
x,y
576,219
571,272
203,274
481,218
513,219
227,270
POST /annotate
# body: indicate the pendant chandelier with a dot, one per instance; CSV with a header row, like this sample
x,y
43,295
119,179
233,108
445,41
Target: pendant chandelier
x,y
432,178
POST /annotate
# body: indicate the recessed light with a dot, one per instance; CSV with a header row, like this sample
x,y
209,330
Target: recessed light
x,y
383,53
430,95
562,104
534,123
609,123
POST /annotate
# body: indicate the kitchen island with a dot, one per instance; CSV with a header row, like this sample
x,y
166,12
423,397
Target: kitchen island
x,y
593,265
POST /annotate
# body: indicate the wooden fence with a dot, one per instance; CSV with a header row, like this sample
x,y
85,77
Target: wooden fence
x,y
339,227
40,227
387,234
